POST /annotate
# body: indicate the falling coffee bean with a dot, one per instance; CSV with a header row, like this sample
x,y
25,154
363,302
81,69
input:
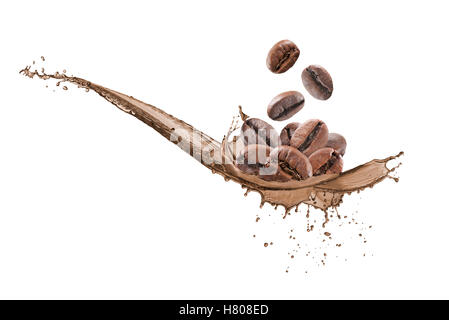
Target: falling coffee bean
x,y
326,160
287,132
257,131
318,82
335,141
285,105
282,56
292,162
310,136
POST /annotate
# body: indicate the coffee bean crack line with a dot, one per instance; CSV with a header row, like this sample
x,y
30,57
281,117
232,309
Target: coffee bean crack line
x,y
317,79
288,109
289,133
285,58
310,138
325,167
286,167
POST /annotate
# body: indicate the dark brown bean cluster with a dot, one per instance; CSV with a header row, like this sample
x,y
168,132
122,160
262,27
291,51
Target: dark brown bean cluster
x,y
302,150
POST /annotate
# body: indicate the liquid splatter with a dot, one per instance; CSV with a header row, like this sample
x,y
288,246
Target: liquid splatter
x,y
321,192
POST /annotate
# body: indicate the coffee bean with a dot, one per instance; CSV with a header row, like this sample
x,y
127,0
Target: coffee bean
x,y
292,162
326,160
310,136
257,131
318,82
285,105
282,56
335,141
252,158
287,132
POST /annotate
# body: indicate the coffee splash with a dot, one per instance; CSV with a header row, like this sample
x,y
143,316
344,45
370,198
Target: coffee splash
x,y
322,192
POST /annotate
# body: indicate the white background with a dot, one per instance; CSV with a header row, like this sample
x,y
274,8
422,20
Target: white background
x,y
95,204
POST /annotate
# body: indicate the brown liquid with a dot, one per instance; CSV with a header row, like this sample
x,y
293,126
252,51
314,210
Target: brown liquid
x,y
321,192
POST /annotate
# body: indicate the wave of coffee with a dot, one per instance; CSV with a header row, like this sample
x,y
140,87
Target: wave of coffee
x,y
321,191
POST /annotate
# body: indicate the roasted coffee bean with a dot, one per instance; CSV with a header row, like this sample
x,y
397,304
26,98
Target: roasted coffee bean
x,y
285,105
256,131
282,56
310,136
287,132
292,162
326,160
253,158
318,82
335,141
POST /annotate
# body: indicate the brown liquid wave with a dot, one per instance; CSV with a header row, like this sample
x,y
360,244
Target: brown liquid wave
x,y
321,192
